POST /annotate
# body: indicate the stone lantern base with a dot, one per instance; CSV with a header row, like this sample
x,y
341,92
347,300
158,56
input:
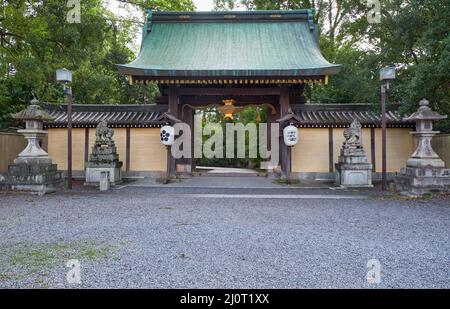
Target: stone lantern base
x,y
416,181
34,177
358,173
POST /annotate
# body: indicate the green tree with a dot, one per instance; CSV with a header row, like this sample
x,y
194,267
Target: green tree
x,y
329,14
413,35
334,17
36,40
160,5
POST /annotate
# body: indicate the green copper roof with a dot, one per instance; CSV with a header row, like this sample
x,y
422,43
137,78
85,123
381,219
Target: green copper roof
x,y
230,44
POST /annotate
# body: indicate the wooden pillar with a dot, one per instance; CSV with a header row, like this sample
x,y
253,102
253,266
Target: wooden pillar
x,y
86,145
270,120
128,150
285,151
174,100
373,149
383,138
187,116
189,119
330,150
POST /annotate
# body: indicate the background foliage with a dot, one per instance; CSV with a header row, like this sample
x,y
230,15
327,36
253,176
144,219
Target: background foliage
x,y
413,36
255,115
35,40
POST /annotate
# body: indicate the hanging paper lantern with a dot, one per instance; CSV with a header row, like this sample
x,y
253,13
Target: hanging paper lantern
x,y
290,135
167,135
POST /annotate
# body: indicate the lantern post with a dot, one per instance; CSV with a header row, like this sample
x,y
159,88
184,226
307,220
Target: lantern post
x,y
386,74
65,76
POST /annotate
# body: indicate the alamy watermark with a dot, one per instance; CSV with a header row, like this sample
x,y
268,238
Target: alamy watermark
x,y
374,14
73,276
74,13
236,140
374,273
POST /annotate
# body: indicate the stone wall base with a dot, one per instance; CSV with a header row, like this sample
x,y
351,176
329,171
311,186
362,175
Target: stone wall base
x,y
39,178
414,181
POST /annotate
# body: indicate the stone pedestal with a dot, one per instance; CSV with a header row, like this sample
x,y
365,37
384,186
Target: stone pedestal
x,y
104,181
104,158
353,169
417,181
39,178
424,172
93,175
32,170
354,175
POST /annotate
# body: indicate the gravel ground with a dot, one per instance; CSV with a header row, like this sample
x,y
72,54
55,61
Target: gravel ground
x,y
172,238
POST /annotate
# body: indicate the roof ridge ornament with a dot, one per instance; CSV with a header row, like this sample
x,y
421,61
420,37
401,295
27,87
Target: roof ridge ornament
x,y
424,102
311,22
34,101
149,22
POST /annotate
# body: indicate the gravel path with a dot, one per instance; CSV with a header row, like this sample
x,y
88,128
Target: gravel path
x,y
156,238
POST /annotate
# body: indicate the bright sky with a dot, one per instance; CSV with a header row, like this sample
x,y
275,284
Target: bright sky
x,y
121,10
204,5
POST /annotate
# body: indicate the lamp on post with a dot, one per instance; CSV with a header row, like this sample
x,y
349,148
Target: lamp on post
x,y
65,76
386,74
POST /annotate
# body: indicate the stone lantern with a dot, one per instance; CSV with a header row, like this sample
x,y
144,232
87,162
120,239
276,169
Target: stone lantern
x,y
425,171
33,169
34,118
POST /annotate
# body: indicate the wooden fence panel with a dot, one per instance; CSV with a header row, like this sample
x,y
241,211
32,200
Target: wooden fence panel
x,y
441,144
11,144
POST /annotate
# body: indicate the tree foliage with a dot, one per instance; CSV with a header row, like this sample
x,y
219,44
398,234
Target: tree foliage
x,y
413,35
36,40
161,5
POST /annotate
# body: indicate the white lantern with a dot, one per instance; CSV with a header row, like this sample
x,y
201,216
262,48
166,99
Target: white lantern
x,y
167,135
290,135
64,76
387,73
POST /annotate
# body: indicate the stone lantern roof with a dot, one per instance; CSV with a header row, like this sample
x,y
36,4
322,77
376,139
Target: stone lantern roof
x,y
425,113
34,112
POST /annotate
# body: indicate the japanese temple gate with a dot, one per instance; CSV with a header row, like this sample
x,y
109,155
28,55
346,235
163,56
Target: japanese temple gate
x,y
204,58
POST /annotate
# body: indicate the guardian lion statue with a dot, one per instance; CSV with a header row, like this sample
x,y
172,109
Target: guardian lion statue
x,y
353,134
103,134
